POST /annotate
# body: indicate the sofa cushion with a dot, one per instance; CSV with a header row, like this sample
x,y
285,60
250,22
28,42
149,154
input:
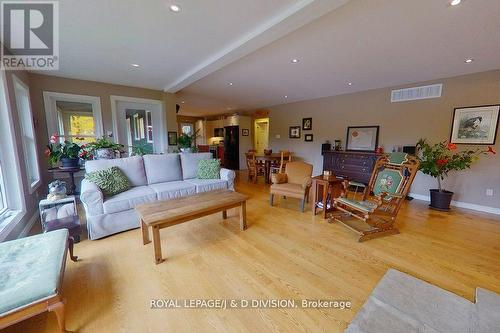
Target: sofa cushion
x,y
208,169
206,185
162,168
132,167
110,181
189,163
172,190
129,199
30,268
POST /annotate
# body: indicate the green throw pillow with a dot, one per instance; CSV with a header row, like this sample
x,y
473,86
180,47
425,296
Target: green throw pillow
x,y
208,169
111,181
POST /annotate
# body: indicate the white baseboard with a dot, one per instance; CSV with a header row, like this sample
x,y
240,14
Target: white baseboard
x,y
29,225
480,208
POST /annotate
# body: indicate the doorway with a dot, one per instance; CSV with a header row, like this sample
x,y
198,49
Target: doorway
x,y
138,124
261,138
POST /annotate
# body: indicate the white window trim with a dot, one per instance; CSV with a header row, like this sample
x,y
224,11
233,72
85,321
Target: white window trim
x,y
136,127
35,185
16,195
50,98
154,102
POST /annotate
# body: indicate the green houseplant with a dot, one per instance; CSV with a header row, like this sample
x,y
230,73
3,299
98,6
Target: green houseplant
x,y
186,142
66,152
438,160
102,148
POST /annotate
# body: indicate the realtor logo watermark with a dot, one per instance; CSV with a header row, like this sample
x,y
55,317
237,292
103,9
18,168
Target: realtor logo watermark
x,y
30,35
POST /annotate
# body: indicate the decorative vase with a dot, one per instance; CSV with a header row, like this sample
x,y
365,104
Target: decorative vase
x,y
68,163
186,150
105,154
440,200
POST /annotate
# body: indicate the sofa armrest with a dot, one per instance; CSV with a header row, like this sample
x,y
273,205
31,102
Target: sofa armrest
x,y
229,176
92,198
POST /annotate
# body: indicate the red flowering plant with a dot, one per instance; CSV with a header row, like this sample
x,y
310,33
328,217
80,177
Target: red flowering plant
x,y
439,159
56,150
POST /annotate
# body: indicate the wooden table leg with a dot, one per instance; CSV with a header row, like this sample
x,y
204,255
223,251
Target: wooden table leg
x,y
224,214
58,309
145,233
315,195
157,244
71,242
325,196
243,215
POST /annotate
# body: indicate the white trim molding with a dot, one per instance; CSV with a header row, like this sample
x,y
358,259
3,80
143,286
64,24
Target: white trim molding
x,y
460,204
31,222
158,104
50,98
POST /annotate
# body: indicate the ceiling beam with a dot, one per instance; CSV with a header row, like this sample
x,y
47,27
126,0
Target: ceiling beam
x,y
302,13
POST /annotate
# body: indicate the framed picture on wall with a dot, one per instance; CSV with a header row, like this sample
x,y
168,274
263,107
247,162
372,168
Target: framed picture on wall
x,y
475,125
245,132
308,137
362,138
307,124
294,132
172,138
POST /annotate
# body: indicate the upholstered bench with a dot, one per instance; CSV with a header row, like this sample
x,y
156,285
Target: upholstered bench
x,y
32,270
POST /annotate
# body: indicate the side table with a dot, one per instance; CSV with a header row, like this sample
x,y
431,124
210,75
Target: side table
x,y
61,214
325,189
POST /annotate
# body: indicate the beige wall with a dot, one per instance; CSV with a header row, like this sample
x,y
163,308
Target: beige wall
x,y
400,124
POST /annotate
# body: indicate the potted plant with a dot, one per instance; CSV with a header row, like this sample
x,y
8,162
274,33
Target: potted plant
x,y
102,149
66,152
186,142
441,158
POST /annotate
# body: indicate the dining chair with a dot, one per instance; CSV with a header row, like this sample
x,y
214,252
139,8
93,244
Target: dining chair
x,y
279,166
254,169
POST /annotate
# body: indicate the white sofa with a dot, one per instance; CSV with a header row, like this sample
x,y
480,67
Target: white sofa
x,y
152,177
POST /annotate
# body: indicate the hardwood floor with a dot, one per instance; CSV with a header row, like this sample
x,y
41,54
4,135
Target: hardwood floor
x,y
283,254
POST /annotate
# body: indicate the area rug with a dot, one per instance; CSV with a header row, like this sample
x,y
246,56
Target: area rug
x,y
401,303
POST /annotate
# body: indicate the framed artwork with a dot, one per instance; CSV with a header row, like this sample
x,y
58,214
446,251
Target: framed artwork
x,y
172,138
308,137
475,125
362,138
307,124
245,132
294,132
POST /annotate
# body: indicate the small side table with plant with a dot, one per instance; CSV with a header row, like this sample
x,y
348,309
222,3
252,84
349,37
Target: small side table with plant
x,y
439,160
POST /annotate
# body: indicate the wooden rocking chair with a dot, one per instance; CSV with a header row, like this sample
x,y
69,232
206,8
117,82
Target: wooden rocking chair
x,y
375,214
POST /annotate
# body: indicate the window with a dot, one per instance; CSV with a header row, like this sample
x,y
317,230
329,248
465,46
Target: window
x,y
149,127
27,133
11,198
76,121
75,118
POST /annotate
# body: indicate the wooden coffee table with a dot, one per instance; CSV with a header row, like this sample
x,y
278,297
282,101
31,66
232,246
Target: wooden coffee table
x,y
162,214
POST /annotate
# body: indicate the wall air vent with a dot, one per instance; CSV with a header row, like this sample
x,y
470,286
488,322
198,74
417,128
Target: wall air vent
x,y
415,93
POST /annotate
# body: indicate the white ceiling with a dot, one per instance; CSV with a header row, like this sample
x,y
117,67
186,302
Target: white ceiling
x,y
371,43
196,52
99,40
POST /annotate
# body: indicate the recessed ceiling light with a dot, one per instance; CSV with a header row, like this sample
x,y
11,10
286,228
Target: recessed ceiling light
x,y
134,65
295,60
455,2
183,102
349,83
286,96
175,8
468,61
230,83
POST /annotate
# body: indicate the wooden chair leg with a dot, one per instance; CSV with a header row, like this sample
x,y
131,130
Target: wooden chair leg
x,y
271,199
58,309
302,205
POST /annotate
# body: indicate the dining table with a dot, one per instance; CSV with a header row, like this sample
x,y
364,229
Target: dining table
x,y
268,159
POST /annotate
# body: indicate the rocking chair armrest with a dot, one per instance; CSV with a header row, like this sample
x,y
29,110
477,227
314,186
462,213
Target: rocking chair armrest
x,y
279,178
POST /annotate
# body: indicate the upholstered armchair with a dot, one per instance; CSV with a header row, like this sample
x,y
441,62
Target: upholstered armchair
x,y
295,182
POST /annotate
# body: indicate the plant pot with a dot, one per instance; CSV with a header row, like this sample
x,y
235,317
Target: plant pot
x,y
69,162
186,150
105,154
440,200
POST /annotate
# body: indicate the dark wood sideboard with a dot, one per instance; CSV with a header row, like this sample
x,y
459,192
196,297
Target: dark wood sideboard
x,y
356,166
